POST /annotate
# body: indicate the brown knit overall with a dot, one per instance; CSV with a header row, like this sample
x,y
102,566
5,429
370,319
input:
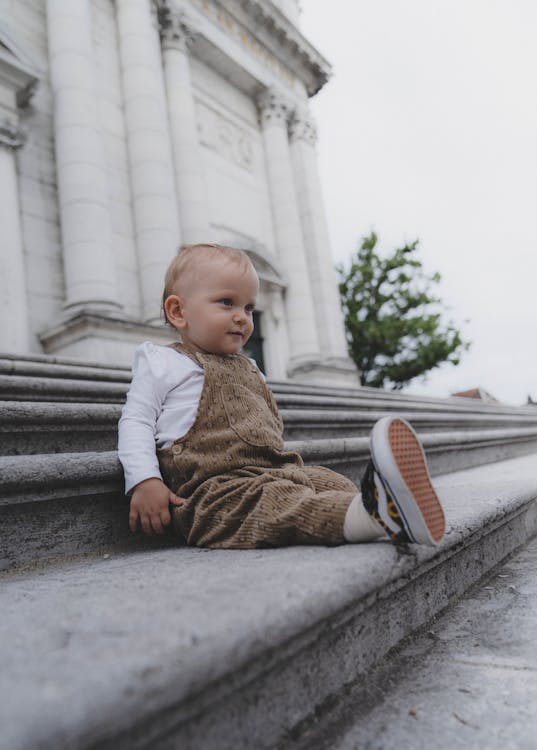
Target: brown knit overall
x,y
241,488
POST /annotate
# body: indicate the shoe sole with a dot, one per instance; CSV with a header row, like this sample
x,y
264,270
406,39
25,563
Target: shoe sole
x,y
399,459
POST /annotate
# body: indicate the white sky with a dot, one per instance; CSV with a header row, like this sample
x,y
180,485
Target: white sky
x,y
428,128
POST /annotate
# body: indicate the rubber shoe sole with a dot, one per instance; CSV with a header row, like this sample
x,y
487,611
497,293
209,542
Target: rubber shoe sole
x,y
400,461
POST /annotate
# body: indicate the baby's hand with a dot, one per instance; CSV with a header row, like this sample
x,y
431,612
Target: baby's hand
x,y
150,503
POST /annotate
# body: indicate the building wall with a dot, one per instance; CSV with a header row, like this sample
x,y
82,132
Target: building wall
x,y
233,161
244,148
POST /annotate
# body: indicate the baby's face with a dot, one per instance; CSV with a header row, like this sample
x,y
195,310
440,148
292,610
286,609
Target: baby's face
x,y
218,307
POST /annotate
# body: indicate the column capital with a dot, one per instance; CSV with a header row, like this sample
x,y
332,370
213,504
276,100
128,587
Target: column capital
x,y
11,134
176,31
18,81
302,127
273,108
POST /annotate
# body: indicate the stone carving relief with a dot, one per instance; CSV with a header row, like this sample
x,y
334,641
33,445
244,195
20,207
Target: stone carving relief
x,y
273,108
302,127
217,13
228,139
18,82
175,29
11,134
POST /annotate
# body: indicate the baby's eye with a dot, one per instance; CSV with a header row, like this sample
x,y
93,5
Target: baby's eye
x,y
226,301
249,308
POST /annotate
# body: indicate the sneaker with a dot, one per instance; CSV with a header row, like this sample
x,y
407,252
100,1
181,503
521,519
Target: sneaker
x,y
396,488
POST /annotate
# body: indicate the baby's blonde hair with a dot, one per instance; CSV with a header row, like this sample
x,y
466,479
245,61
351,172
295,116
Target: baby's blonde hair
x,y
185,262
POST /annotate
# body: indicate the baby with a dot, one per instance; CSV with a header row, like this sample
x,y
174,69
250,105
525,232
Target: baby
x,y
200,435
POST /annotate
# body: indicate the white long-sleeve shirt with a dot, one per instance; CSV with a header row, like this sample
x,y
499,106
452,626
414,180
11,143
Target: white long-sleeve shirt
x,y
162,403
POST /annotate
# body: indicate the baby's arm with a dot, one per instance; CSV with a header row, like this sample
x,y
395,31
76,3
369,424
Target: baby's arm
x,y
137,451
150,503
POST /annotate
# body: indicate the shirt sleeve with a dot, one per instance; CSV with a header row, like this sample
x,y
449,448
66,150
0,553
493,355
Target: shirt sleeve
x,y
137,425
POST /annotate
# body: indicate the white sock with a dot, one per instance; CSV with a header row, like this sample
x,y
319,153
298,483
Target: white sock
x,y
359,526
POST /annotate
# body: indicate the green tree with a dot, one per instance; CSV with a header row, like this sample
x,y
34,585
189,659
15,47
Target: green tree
x,y
393,319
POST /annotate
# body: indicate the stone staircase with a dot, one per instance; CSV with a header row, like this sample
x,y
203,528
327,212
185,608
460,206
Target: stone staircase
x,y
109,640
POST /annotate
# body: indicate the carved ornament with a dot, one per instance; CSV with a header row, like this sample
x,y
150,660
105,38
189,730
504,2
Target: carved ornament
x,y
11,134
273,108
302,128
175,30
222,135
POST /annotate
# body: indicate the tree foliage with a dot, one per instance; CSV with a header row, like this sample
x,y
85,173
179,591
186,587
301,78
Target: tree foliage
x,y
393,319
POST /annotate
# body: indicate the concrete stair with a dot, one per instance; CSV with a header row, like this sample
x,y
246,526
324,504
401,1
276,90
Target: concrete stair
x,y
29,427
152,645
54,405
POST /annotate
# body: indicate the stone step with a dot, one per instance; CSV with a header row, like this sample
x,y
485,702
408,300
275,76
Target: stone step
x,y
464,681
58,380
46,366
53,427
230,650
63,504
31,427
304,424
30,388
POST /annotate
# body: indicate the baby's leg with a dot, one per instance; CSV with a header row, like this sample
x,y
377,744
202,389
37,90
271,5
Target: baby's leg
x,y
263,508
397,496
358,524
397,489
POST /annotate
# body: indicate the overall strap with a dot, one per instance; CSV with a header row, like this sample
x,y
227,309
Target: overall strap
x,y
187,351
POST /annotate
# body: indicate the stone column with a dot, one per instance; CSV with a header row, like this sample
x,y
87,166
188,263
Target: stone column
x,y
14,328
17,82
150,153
303,137
81,166
303,339
176,39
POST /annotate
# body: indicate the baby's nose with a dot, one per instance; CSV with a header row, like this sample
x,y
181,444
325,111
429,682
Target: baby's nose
x,y
239,314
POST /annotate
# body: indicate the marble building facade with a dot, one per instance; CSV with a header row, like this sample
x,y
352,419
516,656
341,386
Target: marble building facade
x,y
130,127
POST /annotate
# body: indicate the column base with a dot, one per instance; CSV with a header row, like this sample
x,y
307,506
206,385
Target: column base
x,y
327,371
100,307
95,337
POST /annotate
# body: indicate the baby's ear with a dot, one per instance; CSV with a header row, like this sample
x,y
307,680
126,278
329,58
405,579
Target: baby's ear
x,y
173,307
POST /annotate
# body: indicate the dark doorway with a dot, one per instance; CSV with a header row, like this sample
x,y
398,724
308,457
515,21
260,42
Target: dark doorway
x,y
254,347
